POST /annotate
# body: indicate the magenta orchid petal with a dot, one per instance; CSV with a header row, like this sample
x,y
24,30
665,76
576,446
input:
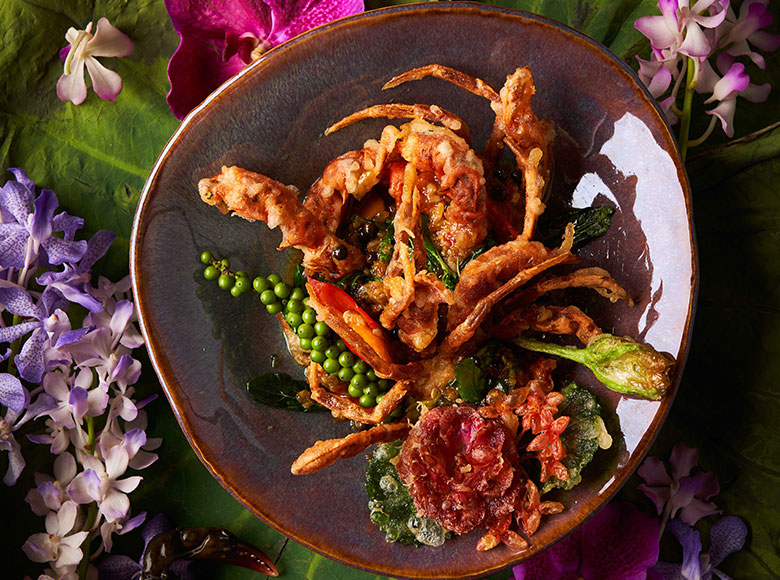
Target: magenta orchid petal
x,y
609,553
106,83
308,15
219,37
734,81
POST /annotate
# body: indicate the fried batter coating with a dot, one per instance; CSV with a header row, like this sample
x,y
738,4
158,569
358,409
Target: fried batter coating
x,y
325,453
253,196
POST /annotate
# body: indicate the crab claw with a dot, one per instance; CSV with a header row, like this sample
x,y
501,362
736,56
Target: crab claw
x,y
362,334
251,558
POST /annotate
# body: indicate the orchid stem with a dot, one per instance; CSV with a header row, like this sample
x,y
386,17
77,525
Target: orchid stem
x,y
85,545
685,117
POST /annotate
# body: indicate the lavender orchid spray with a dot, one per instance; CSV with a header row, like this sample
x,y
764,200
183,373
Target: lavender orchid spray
x,y
700,49
71,377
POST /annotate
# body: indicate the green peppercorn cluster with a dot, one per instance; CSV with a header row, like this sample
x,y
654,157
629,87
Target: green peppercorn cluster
x,y
314,335
235,282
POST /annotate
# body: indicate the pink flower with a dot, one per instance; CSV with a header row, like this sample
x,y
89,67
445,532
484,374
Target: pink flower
x,y
679,27
681,492
747,29
618,543
82,50
220,37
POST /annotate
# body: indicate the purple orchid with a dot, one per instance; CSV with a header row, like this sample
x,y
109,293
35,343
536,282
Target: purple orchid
x,y
681,492
684,37
50,494
221,37
727,536
600,549
26,233
100,482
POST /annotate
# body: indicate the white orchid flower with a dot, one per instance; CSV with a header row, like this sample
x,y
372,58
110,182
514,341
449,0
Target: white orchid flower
x,y
83,49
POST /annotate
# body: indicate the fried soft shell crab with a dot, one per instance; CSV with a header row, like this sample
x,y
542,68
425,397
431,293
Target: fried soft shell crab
x,y
460,462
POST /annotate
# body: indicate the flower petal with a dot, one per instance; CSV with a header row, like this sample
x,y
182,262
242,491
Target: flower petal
x,y
657,30
17,301
109,41
683,459
609,553
195,70
115,506
727,536
72,87
695,43
690,540
12,394
106,83
30,360
43,212
85,487
305,16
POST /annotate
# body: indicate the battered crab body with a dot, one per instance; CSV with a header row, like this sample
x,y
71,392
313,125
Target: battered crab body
x,y
434,184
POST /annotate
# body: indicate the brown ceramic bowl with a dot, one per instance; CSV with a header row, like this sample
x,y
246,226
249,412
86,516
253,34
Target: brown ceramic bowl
x,y
613,147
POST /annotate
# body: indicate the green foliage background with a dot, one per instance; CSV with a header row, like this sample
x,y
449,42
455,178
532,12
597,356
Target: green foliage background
x,y
96,157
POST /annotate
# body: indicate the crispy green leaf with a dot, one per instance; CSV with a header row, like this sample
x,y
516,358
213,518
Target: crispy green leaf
x,y
470,381
583,436
280,390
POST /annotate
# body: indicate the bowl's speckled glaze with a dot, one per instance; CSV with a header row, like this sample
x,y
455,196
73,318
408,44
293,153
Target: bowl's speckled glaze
x,y
613,147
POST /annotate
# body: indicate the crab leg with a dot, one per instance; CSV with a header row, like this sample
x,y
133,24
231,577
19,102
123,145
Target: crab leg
x,y
456,77
253,196
431,113
325,453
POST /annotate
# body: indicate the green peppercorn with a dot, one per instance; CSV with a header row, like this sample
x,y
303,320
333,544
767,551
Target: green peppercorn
x,y
305,331
384,384
360,367
226,281
282,290
294,305
293,319
346,359
305,343
206,257
274,307
210,273
331,366
371,389
268,297
297,293
379,398
354,391
332,352
242,274
309,316
340,345
224,263
318,356
371,375
242,283
273,279
367,401
260,284
321,329
319,343
346,375
359,381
